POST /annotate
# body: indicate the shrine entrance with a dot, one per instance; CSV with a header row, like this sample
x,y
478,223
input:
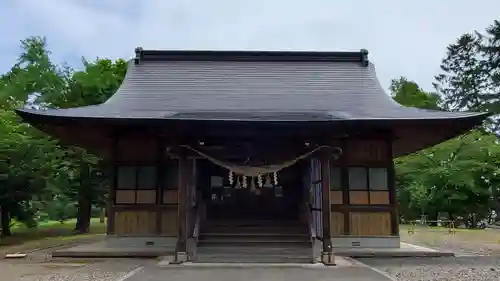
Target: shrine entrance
x,y
239,201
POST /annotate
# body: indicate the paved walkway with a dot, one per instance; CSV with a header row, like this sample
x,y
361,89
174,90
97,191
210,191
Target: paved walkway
x,y
149,270
260,274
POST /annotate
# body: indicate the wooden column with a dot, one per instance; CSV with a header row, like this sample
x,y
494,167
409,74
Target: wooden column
x,y
181,247
160,181
344,182
327,254
110,227
391,182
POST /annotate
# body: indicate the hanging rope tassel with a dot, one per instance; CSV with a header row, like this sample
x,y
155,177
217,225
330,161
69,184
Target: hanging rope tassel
x,y
238,185
268,183
231,179
252,185
244,184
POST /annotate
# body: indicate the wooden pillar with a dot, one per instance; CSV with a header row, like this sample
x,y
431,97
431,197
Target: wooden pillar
x,y
327,253
391,182
181,247
344,182
160,181
110,227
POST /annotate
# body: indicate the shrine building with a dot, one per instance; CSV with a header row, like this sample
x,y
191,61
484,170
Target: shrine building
x,y
268,155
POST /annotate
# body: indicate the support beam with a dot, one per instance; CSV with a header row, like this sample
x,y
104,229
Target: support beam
x,y
181,247
327,254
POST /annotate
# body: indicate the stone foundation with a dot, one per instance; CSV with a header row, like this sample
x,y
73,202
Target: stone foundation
x,y
366,242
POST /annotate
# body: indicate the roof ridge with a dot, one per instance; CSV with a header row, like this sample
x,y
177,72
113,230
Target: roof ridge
x,y
360,56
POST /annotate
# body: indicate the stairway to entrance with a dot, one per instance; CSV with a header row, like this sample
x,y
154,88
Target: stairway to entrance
x,y
254,242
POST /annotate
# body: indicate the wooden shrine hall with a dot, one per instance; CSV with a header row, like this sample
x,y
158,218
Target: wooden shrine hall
x,y
252,156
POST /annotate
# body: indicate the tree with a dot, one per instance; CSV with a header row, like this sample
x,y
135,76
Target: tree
x,y
470,78
452,177
93,85
26,167
33,73
457,173
408,93
65,172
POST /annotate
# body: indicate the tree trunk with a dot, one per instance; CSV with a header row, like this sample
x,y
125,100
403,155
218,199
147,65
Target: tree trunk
x,y
496,204
83,216
102,215
5,222
433,218
473,221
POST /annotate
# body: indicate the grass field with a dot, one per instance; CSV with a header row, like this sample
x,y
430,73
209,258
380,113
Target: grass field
x,y
48,233
479,241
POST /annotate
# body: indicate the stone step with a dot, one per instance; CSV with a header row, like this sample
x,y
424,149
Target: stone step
x,y
243,250
253,222
256,236
208,258
253,254
254,243
255,229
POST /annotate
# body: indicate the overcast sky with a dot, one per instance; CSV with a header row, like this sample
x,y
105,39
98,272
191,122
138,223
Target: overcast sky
x,y
404,37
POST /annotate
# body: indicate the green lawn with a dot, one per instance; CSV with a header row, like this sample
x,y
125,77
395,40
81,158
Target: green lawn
x,y
462,240
47,234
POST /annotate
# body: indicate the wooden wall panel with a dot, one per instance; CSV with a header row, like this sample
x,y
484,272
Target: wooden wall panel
x,y
336,224
135,223
136,149
366,151
336,197
169,222
170,196
358,197
379,197
146,196
125,196
370,224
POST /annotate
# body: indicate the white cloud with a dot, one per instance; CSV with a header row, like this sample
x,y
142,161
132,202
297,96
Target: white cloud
x,y
404,37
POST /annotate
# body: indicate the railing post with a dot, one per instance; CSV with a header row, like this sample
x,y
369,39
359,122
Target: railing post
x,y
327,256
181,254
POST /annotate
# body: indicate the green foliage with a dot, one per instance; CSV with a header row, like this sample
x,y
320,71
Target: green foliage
x,y
408,93
470,80
38,176
470,77
455,177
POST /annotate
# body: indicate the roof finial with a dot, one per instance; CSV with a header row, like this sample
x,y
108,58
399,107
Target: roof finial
x,y
364,57
138,55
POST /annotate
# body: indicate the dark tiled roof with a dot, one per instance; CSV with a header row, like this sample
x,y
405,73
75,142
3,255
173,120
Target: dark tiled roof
x,y
251,86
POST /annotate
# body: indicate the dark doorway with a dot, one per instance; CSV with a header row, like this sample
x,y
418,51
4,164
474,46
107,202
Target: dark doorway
x,y
227,202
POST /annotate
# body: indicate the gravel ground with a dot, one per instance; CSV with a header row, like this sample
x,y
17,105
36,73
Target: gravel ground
x,y
470,268
103,270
